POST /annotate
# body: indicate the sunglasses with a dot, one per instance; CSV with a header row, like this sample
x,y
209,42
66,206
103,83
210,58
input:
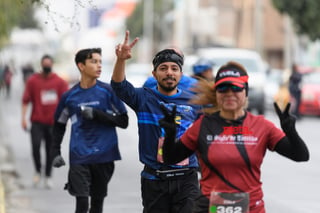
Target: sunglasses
x,y
225,88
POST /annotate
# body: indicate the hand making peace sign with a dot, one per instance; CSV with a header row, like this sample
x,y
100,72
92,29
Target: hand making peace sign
x,y
287,121
123,51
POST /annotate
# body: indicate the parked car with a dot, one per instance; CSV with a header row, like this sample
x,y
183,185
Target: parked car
x,y
254,65
310,94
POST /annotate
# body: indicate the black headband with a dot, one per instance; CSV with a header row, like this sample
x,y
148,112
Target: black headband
x,y
165,56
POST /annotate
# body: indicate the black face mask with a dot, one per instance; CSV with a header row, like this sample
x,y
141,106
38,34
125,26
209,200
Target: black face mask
x,y
46,70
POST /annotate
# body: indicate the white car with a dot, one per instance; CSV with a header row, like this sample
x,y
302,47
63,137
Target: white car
x,y
254,65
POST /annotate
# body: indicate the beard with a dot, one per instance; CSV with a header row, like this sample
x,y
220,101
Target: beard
x,y
168,87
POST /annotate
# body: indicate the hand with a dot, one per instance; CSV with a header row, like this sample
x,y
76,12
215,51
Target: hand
x,y
24,125
123,51
168,121
287,121
87,112
58,161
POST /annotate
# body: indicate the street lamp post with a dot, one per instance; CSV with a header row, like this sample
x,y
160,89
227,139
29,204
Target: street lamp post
x,y
147,28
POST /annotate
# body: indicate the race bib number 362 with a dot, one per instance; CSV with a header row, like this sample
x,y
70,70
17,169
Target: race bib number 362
x,y
221,202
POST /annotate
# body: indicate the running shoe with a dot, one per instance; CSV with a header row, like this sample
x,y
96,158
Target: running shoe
x,y
36,180
48,184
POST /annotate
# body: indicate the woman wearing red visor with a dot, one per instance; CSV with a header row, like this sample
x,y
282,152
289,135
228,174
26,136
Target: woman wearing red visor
x,y
231,143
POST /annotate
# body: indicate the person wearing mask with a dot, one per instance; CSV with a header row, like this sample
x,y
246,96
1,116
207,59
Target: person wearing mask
x,y
231,143
95,112
42,90
203,69
164,188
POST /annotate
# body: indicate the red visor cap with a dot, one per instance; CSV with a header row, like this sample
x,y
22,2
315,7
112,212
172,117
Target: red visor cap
x,y
235,77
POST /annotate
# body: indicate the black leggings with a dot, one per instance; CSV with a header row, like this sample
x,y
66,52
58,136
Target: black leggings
x,y
41,132
95,207
201,204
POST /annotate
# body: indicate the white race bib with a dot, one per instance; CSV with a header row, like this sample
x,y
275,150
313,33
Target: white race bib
x,y
222,202
48,97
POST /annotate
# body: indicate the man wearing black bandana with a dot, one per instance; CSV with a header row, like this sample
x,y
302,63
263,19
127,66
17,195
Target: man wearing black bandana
x,y
164,187
186,82
169,82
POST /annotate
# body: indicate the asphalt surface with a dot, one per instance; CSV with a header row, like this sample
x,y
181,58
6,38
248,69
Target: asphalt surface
x,y
22,197
288,186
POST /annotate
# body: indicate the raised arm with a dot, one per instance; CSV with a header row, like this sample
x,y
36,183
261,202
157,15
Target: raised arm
x,y
292,146
123,52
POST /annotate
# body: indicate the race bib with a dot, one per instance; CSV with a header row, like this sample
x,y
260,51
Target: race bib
x,y
49,97
185,162
222,202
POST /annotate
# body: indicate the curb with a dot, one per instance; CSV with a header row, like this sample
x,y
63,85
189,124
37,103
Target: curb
x,y
9,183
2,196
3,160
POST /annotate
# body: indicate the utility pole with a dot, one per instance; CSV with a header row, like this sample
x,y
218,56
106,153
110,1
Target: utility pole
x,y
288,42
179,24
258,27
147,29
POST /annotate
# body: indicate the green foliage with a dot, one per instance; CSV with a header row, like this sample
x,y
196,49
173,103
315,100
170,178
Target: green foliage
x,y
15,13
27,20
135,22
304,13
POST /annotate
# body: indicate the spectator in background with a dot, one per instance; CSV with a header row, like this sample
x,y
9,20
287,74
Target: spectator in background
x,y
27,71
203,69
1,77
43,91
295,89
7,77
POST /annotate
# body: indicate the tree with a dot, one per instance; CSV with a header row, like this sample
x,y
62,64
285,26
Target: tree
x,y
135,22
304,13
15,13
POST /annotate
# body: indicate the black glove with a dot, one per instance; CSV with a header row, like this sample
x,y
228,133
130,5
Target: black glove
x,y
87,112
287,120
58,161
168,121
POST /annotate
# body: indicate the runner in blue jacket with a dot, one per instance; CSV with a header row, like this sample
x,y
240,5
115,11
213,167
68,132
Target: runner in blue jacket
x,y
94,112
165,188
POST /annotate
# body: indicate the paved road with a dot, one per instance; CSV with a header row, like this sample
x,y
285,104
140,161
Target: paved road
x,y
124,188
288,186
